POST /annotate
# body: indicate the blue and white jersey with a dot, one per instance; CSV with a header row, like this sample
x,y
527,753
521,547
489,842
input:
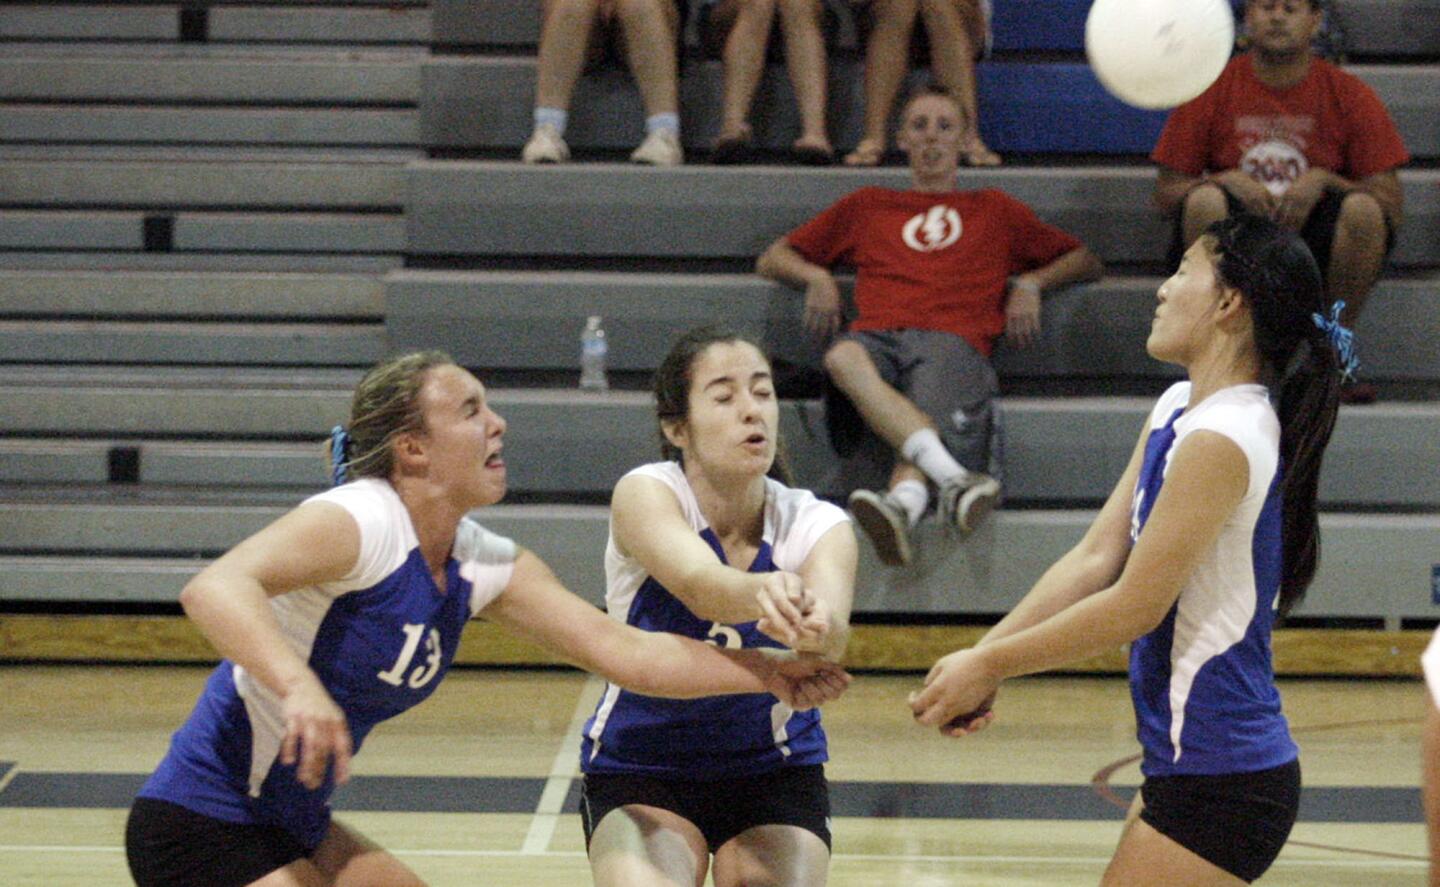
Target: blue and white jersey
x,y
1203,682
380,640
718,737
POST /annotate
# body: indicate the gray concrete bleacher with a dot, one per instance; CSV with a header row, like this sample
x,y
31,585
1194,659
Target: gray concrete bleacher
x,y
530,320
984,574
151,417
1395,28
484,209
484,103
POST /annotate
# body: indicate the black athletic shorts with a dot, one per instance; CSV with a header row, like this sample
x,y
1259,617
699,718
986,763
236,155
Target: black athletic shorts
x,y
721,809
171,846
1237,821
1318,231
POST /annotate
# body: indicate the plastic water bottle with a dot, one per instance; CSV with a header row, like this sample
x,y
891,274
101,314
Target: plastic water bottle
x,y
593,350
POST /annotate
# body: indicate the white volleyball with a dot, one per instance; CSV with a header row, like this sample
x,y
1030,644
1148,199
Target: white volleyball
x,y
1158,53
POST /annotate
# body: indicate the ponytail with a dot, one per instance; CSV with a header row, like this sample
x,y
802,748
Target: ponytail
x,y
1301,351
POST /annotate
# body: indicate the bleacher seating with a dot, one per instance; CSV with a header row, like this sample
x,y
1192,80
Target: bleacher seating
x,y
213,216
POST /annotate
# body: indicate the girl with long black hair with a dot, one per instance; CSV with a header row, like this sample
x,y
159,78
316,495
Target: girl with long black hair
x,y
1209,534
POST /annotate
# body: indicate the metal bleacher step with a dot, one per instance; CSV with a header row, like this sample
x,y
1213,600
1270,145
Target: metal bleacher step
x,y
198,74
398,21
471,102
568,441
212,232
98,530
189,294
286,262
187,342
530,320
179,180
600,210
1384,27
100,123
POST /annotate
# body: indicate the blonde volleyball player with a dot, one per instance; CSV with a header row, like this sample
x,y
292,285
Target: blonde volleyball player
x,y
347,611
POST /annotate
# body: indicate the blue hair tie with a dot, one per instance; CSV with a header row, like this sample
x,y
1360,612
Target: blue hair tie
x,y
339,454
1342,339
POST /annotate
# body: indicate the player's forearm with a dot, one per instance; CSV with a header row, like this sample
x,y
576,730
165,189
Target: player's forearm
x,y
1074,577
720,594
670,666
1091,626
234,614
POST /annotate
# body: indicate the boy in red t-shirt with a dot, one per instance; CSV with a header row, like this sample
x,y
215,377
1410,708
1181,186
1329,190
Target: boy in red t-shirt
x,y
1288,135
940,274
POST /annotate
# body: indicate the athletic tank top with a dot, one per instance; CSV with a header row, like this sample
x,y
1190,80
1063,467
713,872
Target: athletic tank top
x,y
380,640
719,737
1202,681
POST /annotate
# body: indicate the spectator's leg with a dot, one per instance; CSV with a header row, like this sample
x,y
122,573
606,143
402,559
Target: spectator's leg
x,y
887,59
1357,253
1202,206
564,36
746,24
890,414
805,62
957,32
651,29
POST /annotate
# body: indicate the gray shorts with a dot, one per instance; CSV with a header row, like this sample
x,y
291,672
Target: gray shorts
x,y
944,376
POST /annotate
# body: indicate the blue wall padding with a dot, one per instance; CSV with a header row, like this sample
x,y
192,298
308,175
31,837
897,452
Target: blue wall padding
x,y
1059,108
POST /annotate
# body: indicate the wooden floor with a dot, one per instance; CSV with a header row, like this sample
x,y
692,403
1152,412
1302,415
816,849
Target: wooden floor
x,y
99,726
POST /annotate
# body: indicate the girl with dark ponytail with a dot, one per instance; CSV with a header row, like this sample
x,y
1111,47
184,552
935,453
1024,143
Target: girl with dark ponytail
x,y
1209,534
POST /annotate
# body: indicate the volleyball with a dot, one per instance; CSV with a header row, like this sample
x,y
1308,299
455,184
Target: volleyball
x,y
1158,53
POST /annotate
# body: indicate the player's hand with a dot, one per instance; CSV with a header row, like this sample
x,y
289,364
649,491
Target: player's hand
x,y
316,734
822,307
807,681
1252,195
957,695
784,603
813,632
1295,205
1022,311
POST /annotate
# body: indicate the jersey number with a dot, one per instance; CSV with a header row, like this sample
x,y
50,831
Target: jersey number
x,y
422,674
725,636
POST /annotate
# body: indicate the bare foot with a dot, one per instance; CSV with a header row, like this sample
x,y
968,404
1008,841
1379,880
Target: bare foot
x,y
869,152
976,153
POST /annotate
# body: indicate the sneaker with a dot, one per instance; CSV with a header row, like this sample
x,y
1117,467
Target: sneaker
x,y
660,148
965,500
545,146
885,522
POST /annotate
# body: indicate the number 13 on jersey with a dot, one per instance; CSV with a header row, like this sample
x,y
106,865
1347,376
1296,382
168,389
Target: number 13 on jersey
x,y
395,675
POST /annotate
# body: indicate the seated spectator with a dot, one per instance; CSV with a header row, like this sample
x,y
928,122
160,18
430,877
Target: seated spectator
x,y
940,274
647,30
958,33
1289,135
738,32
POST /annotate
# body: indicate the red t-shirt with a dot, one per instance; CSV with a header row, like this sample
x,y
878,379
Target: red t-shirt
x,y
1330,120
931,261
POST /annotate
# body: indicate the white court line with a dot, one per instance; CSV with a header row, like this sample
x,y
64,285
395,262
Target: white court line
x,y
562,772
839,857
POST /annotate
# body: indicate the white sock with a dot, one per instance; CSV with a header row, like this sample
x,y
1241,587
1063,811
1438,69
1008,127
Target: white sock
x,y
556,117
924,450
911,495
667,121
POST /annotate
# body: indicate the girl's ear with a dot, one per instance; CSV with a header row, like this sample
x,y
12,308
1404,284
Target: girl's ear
x,y
675,432
409,450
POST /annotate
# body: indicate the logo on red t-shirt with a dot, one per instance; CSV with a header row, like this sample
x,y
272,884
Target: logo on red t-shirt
x,y
1275,164
932,230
